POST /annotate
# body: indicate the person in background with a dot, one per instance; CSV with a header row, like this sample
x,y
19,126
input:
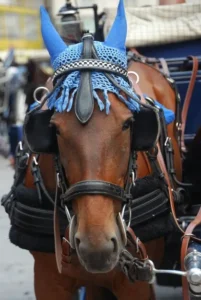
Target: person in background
x,y
15,112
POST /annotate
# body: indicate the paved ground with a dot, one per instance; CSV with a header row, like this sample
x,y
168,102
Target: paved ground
x,y
16,265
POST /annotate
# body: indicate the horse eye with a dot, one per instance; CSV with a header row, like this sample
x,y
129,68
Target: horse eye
x,y
127,124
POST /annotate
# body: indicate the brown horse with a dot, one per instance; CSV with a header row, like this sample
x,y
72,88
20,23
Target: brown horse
x,y
99,150
96,215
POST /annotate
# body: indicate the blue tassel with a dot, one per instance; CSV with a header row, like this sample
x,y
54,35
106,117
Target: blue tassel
x,y
70,104
107,102
59,101
65,98
99,101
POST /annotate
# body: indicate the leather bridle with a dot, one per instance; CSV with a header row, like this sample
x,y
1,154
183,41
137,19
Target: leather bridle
x,y
91,62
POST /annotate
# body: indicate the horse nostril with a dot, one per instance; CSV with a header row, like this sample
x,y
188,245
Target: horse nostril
x,y
114,241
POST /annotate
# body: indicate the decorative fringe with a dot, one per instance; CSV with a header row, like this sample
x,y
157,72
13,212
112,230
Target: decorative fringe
x,y
99,101
60,98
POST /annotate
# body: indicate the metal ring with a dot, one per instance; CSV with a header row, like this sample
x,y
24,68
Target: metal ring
x,y
136,74
67,241
187,235
40,88
130,215
123,211
58,180
20,145
35,161
67,214
133,178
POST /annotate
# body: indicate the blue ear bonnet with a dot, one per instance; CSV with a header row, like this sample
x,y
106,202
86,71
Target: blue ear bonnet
x,y
113,50
62,99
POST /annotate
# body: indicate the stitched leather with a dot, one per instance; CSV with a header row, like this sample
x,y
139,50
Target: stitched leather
x,y
148,207
35,220
94,187
84,101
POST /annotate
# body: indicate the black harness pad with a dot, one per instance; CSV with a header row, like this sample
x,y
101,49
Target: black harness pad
x,y
39,134
146,129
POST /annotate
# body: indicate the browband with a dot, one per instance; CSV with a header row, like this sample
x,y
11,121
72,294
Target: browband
x,y
91,65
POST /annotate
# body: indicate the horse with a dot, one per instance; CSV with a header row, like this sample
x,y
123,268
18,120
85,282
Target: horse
x,y
46,163
87,156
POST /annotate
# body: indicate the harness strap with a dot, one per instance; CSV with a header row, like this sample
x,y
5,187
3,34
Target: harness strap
x,y
57,236
163,168
186,239
139,246
188,98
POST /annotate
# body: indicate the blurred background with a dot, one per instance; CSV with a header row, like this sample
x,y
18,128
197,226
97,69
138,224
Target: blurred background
x,y
157,28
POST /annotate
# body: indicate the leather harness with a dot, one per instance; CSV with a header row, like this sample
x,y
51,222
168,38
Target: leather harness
x,y
188,233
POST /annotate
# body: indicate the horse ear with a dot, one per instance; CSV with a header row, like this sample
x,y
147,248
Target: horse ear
x,y
117,35
53,42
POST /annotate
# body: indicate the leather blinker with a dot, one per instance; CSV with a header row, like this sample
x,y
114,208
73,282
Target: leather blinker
x,y
39,135
146,129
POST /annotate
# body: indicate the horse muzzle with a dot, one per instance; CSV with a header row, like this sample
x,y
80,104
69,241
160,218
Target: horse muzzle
x,y
97,252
